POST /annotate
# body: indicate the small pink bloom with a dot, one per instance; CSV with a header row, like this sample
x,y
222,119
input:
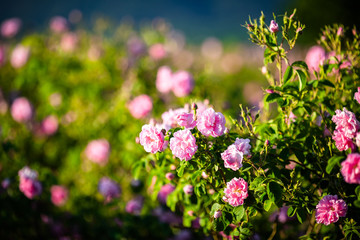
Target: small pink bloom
x,y
19,56
68,42
49,125
10,27
243,145
340,31
58,24
274,27
217,214
188,189
186,120
357,95
164,192
5,183
350,168
108,188
235,192
157,51
21,110
315,57
170,117
141,106
29,185
204,175
211,123
164,80
59,195
183,145
232,158
170,176
98,151
329,209
270,91
134,206
183,83
151,138
346,122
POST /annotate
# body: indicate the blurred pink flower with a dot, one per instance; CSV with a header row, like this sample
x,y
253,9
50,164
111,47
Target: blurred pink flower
x,y
232,158
280,215
357,138
2,55
170,176
59,195
21,110
164,80
243,145
183,145
157,51
183,83
136,47
357,95
98,151
68,42
29,185
211,123
350,168
5,183
315,57
49,125
217,214
19,56
188,189
329,209
170,117
58,24
10,27
108,188
141,106
274,27
164,192
151,138
134,206
235,192
186,120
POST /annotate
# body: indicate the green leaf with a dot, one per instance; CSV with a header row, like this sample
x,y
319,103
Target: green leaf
x,y
291,211
332,162
289,73
218,225
302,79
180,170
215,207
326,83
357,203
256,182
274,191
272,97
267,205
301,215
300,64
357,192
239,212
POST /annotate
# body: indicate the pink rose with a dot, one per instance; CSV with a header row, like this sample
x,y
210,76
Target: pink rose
x,y
329,209
346,122
59,195
58,24
141,106
157,51
357,95
350,168
108,188
186,120
235,192
21,110
170,117
19,56
243,145
151,138
164,192
188,189
274,27
98,151
211,123
342,142
29,185
49,125
10,27
315,57
68,42
183,83
183,145
232,158
164,80
357,139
